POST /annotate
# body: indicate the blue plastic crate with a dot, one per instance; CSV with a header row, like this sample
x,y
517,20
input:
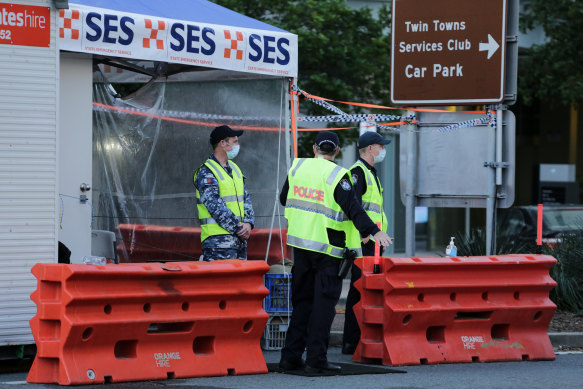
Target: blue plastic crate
x,y
279,298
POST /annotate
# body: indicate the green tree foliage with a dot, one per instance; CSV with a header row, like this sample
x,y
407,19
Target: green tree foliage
x,y
344,53
554,71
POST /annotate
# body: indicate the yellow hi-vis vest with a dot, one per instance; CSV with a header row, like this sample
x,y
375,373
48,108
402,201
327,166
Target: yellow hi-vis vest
x,y
310,207
372,199
231,190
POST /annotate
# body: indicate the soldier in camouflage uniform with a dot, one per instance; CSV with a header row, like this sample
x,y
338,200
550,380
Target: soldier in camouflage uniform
x,y
224,205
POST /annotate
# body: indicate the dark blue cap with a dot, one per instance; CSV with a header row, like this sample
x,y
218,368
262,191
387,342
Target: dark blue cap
x,y
327,141
371,138
223,132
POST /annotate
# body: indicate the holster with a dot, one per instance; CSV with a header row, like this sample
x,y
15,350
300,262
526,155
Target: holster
x,y
348,258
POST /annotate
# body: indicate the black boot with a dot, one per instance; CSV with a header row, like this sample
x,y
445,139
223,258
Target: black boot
x,y
327,367
292,365
348,348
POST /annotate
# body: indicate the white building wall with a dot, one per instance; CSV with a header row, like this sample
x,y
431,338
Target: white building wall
x,y
28,176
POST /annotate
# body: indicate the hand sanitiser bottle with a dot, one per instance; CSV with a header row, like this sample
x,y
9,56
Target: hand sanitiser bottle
x,y
94,260
451,250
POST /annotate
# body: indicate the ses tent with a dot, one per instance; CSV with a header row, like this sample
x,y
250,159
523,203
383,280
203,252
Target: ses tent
x,y
76,155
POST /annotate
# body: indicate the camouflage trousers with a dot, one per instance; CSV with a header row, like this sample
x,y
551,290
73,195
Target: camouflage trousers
x,y
224,247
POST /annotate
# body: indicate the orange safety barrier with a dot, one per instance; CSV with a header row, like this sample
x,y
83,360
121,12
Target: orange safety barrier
x,y
257,245
455,309
130,322
149,243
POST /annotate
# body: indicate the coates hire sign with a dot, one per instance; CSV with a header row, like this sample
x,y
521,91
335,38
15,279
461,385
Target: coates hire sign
x,y
25,25
121,34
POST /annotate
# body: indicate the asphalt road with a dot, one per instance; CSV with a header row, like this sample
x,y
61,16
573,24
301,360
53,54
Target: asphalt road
x,y
564,372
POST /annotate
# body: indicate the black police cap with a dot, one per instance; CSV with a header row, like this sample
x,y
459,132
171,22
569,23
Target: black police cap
x,y
222,132
371,138
327,141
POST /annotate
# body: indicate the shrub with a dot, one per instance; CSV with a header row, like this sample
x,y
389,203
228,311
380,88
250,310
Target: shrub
x,y
568,272
475,243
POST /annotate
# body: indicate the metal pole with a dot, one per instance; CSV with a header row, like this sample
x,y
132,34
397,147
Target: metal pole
x,y
499,127
467,227
491,192
499,136
410,193
287,114
489,222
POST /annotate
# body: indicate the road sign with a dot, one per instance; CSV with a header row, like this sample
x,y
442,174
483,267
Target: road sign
x,y
448,52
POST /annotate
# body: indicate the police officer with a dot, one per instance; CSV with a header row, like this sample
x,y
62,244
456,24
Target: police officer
x,y
223,203
322,213
371,147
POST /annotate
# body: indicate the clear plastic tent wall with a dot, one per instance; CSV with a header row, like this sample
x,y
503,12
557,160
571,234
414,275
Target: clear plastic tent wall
x,y
146,149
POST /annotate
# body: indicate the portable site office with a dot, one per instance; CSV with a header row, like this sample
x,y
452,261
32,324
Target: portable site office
x,y
62,126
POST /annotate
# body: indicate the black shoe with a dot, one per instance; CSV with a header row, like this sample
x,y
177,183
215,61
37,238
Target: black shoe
x,y
289,365
348,348
327,367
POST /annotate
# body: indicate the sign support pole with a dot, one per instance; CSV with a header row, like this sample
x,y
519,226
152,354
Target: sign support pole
x,y
410,202
490,219
491,199
495,154
499,128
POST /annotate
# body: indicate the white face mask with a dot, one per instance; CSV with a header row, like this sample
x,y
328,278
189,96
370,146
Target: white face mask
x,y
233,152
381,156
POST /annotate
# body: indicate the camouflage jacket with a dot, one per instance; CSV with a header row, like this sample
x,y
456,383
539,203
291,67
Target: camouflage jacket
x,y
208,186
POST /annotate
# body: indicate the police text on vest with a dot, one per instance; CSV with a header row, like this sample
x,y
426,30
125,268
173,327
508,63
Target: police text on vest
x,y
309,193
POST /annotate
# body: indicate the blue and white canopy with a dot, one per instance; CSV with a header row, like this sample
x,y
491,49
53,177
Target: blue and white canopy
x,y
193,32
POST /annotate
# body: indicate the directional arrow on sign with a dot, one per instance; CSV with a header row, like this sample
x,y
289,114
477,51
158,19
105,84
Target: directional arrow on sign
x,y
491,46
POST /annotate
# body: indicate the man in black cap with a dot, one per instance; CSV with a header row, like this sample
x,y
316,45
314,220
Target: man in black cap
x,y
223,203
322,213
371,147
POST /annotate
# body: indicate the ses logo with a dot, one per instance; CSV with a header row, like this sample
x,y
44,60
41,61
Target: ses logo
x,y
189,38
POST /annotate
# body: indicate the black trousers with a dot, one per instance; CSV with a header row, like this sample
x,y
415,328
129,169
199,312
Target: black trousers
x,y
316,289
351,332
